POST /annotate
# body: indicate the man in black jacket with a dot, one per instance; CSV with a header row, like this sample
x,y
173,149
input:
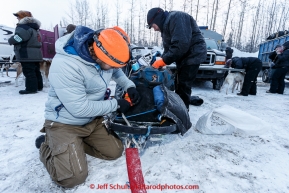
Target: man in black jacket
x,y
183,44
252,66
27,48
280,58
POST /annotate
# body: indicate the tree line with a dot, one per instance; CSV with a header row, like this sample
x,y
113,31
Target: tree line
x,y
243,23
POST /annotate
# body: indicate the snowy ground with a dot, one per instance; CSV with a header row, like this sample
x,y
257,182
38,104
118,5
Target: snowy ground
x,y
216,163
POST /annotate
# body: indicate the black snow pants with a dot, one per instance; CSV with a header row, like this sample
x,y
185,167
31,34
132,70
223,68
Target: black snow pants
x,y
184,81
277,80
31,71
250,81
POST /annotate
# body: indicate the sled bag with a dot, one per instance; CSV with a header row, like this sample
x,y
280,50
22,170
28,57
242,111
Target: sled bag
x,y
148,76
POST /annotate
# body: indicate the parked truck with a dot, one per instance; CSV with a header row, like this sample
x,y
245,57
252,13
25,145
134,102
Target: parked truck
x,y
212,68
264,50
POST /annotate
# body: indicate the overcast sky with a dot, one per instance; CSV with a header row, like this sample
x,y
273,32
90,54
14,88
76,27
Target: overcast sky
x,y
48,12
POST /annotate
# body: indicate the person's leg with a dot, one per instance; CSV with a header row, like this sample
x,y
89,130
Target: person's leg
x,y
38,76
100,143
63,154
184,82
253,89
250,79
281,82
29,73
275,80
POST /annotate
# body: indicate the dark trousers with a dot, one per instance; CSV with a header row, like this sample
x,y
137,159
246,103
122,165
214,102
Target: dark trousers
x,y
250,79
31,71
184,81
277,80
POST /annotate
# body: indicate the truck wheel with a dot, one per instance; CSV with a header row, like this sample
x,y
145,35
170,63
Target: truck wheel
x,y
217,83
265,76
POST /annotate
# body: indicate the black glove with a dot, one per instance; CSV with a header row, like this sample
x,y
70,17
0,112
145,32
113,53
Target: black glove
x,y
133,95
123,106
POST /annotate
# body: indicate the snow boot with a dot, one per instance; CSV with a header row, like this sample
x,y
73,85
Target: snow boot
x,y
39,140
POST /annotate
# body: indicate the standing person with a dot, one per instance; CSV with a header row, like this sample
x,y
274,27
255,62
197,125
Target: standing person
x,y
252,66
69,28
84,64
27,48
229,53
183,44
280,58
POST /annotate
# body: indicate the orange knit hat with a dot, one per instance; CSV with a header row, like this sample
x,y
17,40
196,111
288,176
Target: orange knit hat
x,y
112,47
21,14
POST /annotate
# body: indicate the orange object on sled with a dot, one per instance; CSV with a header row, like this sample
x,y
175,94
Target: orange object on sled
x,y
126,97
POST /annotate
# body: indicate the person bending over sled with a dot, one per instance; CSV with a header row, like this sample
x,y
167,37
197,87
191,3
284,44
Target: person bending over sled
x,y
183,44
84,64
252,66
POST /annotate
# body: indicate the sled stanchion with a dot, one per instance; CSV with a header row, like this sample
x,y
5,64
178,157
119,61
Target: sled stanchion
x,y
134,171
136,180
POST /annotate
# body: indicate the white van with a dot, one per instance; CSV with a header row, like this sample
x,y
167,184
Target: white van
x,y
6,50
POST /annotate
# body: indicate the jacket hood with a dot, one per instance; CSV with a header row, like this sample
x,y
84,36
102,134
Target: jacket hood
x,y
156,16
81,49
30,21
83,36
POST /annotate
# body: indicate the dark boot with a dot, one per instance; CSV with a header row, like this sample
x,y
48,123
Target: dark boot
x,y
39,140
27,92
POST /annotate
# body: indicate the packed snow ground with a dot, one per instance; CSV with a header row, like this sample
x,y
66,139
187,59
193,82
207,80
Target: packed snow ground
x,y
215,163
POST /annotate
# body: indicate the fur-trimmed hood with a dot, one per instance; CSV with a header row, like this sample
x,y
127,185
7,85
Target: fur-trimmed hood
x,y
30,21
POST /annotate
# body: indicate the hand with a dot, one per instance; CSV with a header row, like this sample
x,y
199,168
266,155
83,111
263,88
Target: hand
x,y
133,95
159,63
123,106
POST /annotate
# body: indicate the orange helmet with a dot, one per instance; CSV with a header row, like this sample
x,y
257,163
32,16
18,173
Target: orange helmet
x,y
111,46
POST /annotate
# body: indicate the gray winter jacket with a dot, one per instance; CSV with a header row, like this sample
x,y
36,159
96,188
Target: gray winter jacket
x,y
182,40
77,88
27,40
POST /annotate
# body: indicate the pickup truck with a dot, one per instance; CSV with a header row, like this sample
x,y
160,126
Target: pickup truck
x,y
264,50
6,51
212,69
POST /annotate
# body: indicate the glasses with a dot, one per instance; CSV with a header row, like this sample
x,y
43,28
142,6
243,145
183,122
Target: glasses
x,y
99,45
152,19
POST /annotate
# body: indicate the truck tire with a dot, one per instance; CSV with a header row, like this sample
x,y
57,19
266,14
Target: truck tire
x,y
217,83
265,76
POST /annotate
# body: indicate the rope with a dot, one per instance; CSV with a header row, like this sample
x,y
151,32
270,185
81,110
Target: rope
x,y
137,114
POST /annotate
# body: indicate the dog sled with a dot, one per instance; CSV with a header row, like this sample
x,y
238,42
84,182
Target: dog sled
x,y
160,111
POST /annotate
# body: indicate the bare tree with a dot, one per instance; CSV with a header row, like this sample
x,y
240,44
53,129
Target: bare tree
x,y
184,5
254,33
208,12
171,5
197,11
285,16
272,17
241,23
227,17
213,10
118,11
104,13
132,20
215,14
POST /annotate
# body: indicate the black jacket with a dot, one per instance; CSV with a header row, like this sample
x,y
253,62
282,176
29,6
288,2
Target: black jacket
x,y
280,60
243,62
27,40
182,40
